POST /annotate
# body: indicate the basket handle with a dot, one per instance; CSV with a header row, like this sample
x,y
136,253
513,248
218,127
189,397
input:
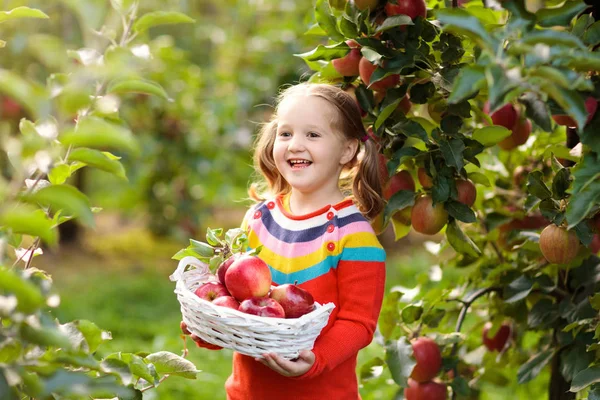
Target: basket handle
x,y
184,262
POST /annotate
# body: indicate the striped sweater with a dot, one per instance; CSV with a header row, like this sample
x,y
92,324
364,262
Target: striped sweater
x,y
334,254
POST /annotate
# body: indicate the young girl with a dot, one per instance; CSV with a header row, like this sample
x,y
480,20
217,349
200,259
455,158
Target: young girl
x,y
318,193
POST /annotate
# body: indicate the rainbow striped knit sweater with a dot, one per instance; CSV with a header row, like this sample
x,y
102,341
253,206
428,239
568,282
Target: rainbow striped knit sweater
x,y
335,255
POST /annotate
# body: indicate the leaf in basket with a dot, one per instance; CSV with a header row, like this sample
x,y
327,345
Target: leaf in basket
x,y
172,364
203,249
214,262
255,252
213,236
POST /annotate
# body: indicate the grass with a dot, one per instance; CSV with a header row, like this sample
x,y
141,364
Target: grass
x,y
120,282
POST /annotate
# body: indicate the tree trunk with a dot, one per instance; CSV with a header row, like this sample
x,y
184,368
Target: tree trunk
x,y
559,387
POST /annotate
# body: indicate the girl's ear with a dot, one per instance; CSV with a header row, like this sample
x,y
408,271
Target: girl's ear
x,y
350,148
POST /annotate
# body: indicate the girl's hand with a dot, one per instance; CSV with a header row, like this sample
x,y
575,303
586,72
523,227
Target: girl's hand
x,y
199,342
289,368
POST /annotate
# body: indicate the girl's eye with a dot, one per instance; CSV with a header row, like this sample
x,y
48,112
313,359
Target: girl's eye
x,y
284,134
313,134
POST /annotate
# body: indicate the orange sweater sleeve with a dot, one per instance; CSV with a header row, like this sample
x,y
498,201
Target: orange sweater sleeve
x,y
360,289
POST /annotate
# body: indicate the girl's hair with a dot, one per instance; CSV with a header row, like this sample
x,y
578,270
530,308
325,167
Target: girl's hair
x,y
360,177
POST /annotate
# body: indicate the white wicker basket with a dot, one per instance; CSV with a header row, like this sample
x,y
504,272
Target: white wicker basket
x,y
247,334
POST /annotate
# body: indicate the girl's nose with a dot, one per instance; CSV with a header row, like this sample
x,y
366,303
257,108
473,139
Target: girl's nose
x,y
296,143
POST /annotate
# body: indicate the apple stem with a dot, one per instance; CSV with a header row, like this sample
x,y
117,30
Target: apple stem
x,y
296,283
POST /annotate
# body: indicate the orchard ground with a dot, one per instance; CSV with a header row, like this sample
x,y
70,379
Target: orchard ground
x,y
118,277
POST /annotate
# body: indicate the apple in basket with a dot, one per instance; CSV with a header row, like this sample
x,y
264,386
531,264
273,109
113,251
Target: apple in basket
x,y
248,276
225,266
295,301
226,301
263,307
211,290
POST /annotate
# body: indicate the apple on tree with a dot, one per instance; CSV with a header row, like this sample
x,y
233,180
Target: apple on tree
x,y
248,276
500,339
424,179
425,391
348,65
294,300
364,4
591,105
412,8
509,117
402,180
558,245
428,357
427,218
211,290
262,307
366,69
467,193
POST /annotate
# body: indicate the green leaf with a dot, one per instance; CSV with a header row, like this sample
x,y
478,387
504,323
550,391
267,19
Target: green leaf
x,y
537,110
518,289
399,200
411,128
460,211
94,336
66,198
205,250
394,21
99,159
137,86
157,18
536,185
491,135
372,369
585,378
582,203
574,359
478,177
95,132
411,313
461,242
326,20
561,183
326,53
136,366
28,94
534,366
59,174
172,364
592,34
595,301
29,296
22,218
400,361
347,27
22,12
385,113
452,150
389,317
469,81
461,22
553,38
559,16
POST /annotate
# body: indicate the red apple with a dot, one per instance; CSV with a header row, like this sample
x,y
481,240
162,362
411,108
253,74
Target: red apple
x,y
591,105
467,193
520,134
405,105
412,8
425,391
425,180
226,301
505,116
348,65
263,307
248,276
10,109
403,216
428,357
558,245
366,69
364,4
427,218
225,265
498,341
211,290
383,171
294,300
402,180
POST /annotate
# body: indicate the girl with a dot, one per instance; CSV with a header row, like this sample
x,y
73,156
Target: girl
x,y
319,190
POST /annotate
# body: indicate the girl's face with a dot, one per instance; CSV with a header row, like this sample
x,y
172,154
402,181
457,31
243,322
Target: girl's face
x,y
308,151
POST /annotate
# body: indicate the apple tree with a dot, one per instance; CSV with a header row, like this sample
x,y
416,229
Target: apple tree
x,y
485,116
68,120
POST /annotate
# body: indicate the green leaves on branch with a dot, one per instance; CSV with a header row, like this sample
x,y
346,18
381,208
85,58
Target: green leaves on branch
x,y
97,133
22,12
65,198
137,86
